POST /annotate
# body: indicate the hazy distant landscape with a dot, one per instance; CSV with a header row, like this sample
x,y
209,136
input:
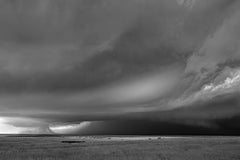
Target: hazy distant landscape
x,y
115,148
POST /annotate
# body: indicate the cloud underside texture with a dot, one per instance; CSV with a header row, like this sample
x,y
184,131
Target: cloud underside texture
x,y
170,64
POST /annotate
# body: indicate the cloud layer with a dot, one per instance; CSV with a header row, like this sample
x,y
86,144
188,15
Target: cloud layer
x,y
66,63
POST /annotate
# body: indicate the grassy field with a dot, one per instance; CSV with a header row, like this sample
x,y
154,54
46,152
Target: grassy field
x,y
116,148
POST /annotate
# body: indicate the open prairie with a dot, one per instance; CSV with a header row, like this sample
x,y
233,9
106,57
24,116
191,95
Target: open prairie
x,y
116,148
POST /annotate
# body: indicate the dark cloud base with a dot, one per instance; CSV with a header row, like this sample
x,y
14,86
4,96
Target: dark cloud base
x,y
143,127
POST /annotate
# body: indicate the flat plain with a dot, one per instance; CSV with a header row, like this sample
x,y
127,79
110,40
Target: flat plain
x,y
119,148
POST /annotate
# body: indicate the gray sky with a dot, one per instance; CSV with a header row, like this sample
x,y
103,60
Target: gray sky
x,y
70,62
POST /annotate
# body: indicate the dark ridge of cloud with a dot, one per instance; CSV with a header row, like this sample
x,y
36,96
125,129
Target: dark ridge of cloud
x,y
145,127
220,116
231,124
209,117
210,111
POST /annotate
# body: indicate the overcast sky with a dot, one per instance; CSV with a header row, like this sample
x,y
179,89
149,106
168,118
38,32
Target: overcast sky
x,y
87,66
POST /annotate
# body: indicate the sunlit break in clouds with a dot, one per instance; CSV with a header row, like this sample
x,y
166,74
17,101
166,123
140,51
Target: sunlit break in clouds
x,y
119,67
8,129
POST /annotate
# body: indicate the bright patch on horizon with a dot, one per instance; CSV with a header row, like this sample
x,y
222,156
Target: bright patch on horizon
x,y
8,129
69,128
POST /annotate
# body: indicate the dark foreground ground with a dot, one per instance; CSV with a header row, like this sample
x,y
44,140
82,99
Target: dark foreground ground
x,y
116,148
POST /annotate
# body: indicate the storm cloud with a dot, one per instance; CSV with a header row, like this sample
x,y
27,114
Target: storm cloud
x,y
72,64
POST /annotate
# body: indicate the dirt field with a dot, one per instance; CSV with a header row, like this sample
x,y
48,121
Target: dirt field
x,y
116,148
